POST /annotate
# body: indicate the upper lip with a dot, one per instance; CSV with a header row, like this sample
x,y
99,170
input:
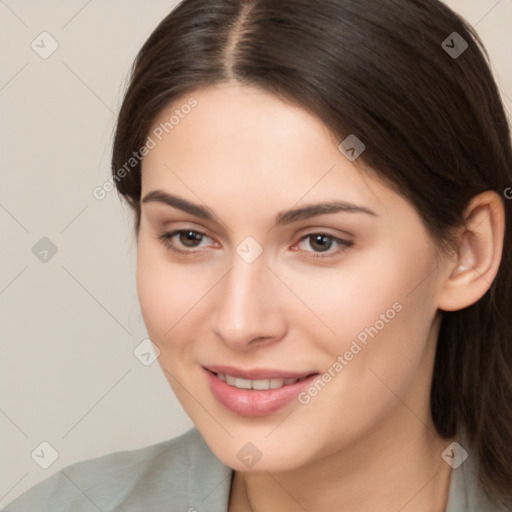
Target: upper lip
x,y
257,373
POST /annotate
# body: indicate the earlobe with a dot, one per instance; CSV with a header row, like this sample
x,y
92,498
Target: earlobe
x,y
474,269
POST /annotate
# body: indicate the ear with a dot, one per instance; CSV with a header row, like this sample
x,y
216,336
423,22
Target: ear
x,y
479,252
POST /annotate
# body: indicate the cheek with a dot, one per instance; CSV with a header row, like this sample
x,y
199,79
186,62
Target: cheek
x,y
382,333
166,291
369,291
376,312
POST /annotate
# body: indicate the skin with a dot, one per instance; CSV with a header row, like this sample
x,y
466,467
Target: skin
x,y
366,442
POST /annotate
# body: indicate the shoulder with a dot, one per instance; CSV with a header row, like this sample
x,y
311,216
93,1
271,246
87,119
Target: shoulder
x,y
176,474
466,494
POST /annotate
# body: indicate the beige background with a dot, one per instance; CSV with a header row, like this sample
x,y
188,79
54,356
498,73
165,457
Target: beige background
x,y
69,326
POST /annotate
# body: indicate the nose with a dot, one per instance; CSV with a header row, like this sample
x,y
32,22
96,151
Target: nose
x,y
249,313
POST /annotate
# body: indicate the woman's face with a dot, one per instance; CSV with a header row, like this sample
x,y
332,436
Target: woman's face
x,y
345,296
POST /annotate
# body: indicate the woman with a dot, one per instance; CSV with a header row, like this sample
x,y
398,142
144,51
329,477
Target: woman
x,y
324,258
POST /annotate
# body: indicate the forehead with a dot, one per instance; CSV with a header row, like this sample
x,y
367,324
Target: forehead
x,y
243,143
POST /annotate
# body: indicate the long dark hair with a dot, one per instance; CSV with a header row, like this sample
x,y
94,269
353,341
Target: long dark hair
x,y
394,74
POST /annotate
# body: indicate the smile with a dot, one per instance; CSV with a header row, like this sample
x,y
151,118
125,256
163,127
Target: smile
x,y
253,393
259,384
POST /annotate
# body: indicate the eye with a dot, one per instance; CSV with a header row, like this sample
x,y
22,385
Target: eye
x,y
322,243
185,241
183,238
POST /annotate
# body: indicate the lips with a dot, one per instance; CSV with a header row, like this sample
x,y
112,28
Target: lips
x,y
258,399
258,373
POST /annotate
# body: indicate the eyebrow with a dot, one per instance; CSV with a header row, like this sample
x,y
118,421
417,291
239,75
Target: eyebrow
x,y
282,218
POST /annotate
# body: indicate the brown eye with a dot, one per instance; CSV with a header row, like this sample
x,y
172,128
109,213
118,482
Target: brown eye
x,y
183,241
323,245
189,238
320,243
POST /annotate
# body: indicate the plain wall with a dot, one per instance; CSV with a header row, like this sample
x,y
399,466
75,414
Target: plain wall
x,y
69,325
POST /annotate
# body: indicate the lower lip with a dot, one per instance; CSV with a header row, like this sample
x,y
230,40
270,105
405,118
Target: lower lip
x,y
252,402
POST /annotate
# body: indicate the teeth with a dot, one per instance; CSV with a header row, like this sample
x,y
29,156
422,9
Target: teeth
x,y
260,384
242,383
276,383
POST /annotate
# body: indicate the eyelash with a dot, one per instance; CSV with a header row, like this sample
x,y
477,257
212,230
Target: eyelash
x,y
165,239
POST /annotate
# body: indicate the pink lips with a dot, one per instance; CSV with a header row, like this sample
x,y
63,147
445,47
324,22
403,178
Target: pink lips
x,y
252,402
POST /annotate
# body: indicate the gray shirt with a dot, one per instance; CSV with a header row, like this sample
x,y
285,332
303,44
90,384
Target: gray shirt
x,y
177,475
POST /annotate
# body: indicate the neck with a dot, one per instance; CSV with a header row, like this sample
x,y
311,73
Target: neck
x,y
382,471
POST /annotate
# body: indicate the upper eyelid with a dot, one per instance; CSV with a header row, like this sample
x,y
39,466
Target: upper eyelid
x,y
305,230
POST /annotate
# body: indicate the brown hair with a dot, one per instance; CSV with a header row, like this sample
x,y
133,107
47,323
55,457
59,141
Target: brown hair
x,y
433,125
